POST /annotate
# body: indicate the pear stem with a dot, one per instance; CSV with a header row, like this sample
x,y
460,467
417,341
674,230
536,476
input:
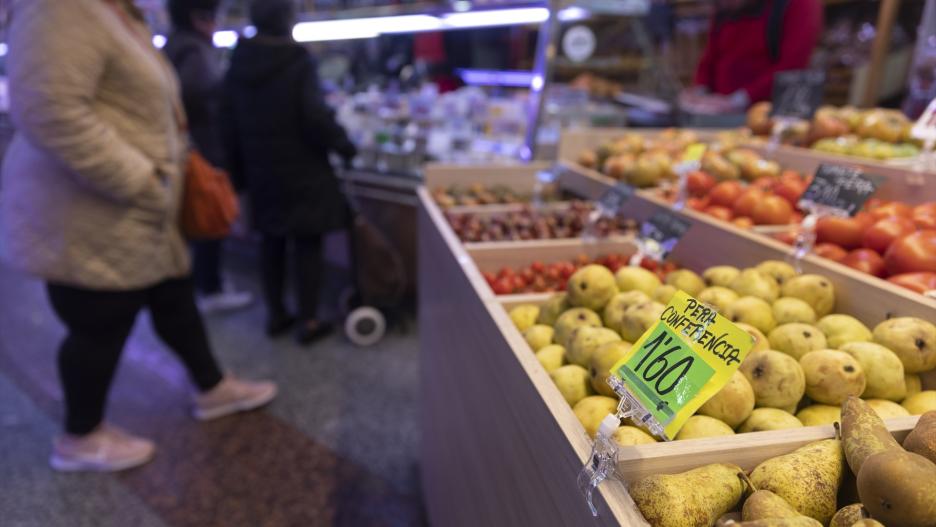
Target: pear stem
x,y
838,430
747,480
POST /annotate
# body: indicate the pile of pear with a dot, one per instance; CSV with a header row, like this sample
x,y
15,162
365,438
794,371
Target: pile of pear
x,y
878,481
806,361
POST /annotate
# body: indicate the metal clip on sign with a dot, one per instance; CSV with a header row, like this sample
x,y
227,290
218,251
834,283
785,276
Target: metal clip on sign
x,y
780,127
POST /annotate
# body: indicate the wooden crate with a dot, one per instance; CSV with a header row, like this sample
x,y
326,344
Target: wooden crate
x,y
501,446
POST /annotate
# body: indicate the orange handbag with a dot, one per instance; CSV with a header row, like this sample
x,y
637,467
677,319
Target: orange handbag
x,y
209,203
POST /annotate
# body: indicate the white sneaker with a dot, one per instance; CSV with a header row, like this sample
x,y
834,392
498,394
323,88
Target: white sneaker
x,y
231,396
107,449
224,301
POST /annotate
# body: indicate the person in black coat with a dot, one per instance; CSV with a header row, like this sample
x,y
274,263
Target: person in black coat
x,y
198,66
279,132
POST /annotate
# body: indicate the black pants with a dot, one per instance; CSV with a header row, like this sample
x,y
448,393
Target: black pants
x,y
206,266
307,263
99,323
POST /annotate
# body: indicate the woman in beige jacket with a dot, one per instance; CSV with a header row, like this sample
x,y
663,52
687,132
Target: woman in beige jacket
x,y
92,185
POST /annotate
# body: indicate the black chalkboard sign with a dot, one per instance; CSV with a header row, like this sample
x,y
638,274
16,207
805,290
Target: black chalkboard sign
x,y
612,200
841,188
797,94
665,229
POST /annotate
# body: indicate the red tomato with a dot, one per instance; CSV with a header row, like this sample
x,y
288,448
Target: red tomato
x,y
744,205
786,237
883,233
698,203
924,216
505,272
669,267
490,278
699,183
791,175
538,267
649,264
790,190
519,282
912,253
717,211
919,282
846,232
582,259
743,222
831,251
527,275
866,261
725,193
567,270
893,208
553,273
503,286
764,183
772,210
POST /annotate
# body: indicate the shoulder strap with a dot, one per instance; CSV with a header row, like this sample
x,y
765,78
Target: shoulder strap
x,y
775,28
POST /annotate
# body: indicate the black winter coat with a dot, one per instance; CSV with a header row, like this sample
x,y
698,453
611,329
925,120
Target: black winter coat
x,y
278,132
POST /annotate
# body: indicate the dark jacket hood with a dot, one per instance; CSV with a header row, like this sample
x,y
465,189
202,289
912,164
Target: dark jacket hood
x,y
257,59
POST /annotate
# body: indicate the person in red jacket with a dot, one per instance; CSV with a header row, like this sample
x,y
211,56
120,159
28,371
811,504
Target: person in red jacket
x,y
749,41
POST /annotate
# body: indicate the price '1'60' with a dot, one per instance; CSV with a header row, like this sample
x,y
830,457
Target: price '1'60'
x,y
659,369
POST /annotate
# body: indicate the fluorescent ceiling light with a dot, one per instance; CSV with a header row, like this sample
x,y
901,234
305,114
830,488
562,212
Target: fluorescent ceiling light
x,y
497,17
353,28
159,41
573,14
225,39
519,79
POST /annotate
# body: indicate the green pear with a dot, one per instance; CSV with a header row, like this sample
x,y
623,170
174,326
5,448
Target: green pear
x,y
884,373
630,278
815,290
843,329
601,362
899,488
524,316
732,404
912,339
797,339
591,287
591,410
788,310
695,498
887,409
720,275
922,439
686,280
920,403
573,383
718,297
639,318
760,340
807,478
585,341
819,414
765,505
863,433
614,311
777,378
764,419
832,376
555,306
538,336
699,426
913,382
571,320
664,294
631,435
849,515
551,357
752,282
752,310
779,271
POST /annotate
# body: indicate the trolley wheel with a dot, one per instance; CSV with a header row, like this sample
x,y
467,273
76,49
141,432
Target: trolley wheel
x,y
365,326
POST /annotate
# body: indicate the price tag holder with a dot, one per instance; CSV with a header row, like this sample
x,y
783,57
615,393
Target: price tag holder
x,y
797,94
840,190
925,130
659,236
679,364
691,161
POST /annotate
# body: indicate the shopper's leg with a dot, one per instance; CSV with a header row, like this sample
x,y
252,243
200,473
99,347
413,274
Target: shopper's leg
x,y
177,321
273,268
309,267
98,325
206,266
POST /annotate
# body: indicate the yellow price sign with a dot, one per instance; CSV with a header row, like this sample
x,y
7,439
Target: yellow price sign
x,y
682,361
694,152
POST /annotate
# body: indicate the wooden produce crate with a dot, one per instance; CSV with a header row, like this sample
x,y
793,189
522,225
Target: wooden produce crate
x,y
501,446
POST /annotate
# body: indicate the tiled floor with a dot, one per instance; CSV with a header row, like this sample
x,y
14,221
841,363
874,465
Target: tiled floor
x,y
338,447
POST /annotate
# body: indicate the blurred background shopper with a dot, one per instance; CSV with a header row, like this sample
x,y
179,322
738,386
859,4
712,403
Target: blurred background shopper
x,y
279,134
92,186
198,65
